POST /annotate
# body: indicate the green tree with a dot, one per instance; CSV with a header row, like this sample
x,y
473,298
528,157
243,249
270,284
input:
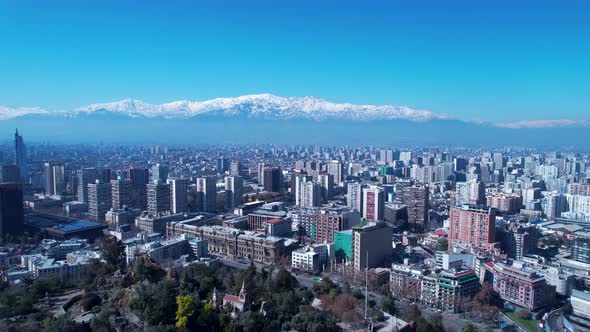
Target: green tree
x,y
388,304
112,251
186,309
443,244
143,270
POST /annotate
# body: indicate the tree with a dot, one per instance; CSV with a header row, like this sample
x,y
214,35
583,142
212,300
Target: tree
x,y
285,281
60,324
469,328
112,251
186,309
409,311
443,244
388,305
143,270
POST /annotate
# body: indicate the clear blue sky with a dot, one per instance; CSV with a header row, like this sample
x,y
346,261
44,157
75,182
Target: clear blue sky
x,y
489,60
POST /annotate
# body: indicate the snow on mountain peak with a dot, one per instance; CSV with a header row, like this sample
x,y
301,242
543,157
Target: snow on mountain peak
x,y
265,105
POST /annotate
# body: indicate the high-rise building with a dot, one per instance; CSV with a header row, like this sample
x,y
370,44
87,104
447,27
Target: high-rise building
x,y
321,224
327,186
336,169
233,191
20,156
55,183
471,192
100,200
103,175
158,198
260,169
222,165
310,194
121,192
373,203
206,194
85,177
9,174
354,196
235,168
300,179
139,178
372,244
159,173
505,202
273,179
471,226
11,209
178,195
416,198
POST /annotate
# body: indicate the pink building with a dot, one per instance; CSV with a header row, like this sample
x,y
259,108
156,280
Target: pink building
x,y
505,202
471,226
518,284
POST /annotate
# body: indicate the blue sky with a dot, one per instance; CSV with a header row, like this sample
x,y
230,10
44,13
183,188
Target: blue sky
x,y
490,60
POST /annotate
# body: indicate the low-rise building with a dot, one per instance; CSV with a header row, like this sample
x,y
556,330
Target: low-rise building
x,y
447,289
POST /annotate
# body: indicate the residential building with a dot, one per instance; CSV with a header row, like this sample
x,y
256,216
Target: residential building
x,y
100,200
472,226
373,203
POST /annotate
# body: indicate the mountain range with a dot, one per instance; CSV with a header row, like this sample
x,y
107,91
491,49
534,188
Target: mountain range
x,y
269,118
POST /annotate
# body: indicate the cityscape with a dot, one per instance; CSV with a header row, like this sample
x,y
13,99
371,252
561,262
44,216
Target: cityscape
x,y
264,166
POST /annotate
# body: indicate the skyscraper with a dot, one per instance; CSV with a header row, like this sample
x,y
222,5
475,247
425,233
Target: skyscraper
x,y
159,173
222,165
337,170
206,194
121,192
178,195
310,194
54,178
354,196
11,209
300,179
233,191
9,174
471,192
158,198
20,151
416,198
100,200
139,178
273,179
85,177
327,186
373,203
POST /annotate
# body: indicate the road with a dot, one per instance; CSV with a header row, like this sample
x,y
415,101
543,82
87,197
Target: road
x,y
555,321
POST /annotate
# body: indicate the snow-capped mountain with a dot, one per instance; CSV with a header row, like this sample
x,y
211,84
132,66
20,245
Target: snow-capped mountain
x,y
266,106
257,106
